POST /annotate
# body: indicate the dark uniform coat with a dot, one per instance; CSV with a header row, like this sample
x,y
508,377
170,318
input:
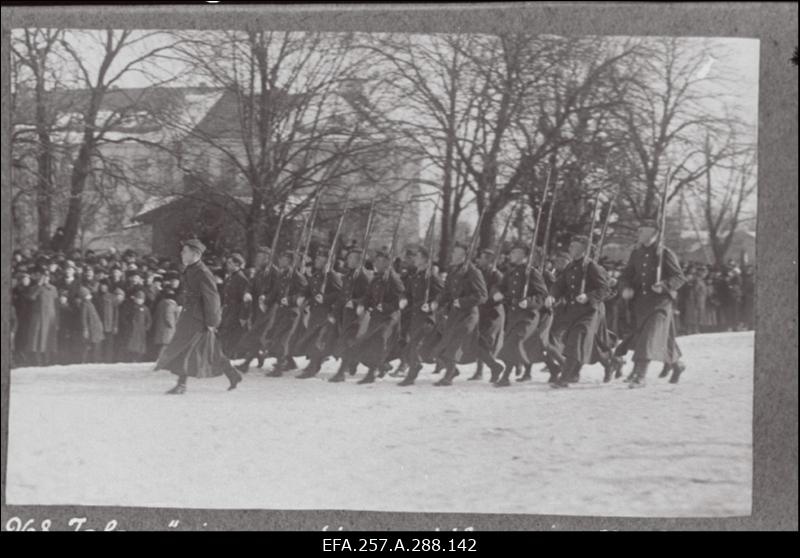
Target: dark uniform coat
x,y
459,334
355,285
262,314
194,350
292,286
522,323
575,325
234,311
383,331
654,337
43,332
492,314
537,346
422,335
320,334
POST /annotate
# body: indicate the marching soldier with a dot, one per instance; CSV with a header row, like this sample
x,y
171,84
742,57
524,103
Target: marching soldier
x,y
423,289
537,345
407,269
351,308
523,305
492,319
252,343
652,304
289,292
384,302
194,349
463,293
583,287
319,339
235,307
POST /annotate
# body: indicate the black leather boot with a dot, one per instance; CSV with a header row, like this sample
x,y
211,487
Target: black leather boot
x,y
677,370
312,369
233,377
369,378
180,387
638,374
451,373
411,376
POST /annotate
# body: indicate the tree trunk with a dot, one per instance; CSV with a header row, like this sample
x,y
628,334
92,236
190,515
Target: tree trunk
x,y
80,172
487,232
44,162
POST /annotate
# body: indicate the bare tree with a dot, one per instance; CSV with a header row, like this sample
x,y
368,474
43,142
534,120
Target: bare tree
x,y
724,197
33,53
672,92
122,54
294,115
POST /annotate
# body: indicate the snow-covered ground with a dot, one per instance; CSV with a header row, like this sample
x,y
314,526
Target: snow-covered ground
x,y
107,435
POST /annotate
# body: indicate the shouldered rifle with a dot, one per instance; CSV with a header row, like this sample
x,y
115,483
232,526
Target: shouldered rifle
x,y
274,246
532,251
293,267
473,245
392,250
332,250
365,243
429,271
601,242
503,235
662,225
587,254
310,235
549,223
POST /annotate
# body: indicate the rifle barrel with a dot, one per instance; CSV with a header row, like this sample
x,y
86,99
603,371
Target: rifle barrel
x,y
549,223
587,253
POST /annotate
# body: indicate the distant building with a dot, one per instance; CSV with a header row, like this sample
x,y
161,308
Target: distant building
x,y
175,149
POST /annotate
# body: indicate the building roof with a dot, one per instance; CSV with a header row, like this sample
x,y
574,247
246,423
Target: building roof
x,y
67,104
223,119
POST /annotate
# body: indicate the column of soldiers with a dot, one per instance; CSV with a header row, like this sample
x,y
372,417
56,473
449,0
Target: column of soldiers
x,y
372,314
561,311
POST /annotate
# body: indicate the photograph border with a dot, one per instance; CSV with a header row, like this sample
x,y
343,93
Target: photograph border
x,y
775,419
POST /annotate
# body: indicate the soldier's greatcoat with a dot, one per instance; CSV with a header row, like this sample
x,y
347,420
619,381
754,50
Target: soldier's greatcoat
x,y
654,336
459,337
522,323
234,311
262,315
291,287
492,314
575,325
355,286
319,337
422,335
383,331
194,350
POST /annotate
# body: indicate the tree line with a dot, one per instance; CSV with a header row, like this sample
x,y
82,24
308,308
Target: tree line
x,y
485,120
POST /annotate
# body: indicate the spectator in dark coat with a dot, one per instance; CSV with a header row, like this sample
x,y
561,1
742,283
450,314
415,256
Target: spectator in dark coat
x,y
165,320
91,325
108,310
42,342
140,323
